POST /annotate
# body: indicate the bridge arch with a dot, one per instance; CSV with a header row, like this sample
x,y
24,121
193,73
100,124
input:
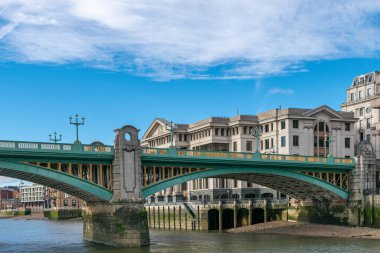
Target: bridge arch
x,y
294,184
72,185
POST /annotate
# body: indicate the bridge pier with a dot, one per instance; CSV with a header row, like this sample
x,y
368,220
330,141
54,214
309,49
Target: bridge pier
x,y
123,221
123,224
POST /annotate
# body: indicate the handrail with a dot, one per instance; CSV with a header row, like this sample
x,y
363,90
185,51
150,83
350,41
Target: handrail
x,y
244,156
53,147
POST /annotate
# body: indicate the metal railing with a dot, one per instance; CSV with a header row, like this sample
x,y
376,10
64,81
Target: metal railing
x,y
53,147
243,156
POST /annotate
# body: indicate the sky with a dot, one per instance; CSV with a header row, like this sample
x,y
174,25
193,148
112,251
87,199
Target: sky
x,y
128,62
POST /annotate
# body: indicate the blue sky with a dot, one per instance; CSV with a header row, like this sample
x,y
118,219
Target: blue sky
x,y
129,62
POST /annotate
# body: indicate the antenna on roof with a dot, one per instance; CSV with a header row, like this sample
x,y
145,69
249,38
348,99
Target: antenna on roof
x,y
237,112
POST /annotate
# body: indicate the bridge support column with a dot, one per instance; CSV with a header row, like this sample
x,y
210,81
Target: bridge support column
x,y
123,224
362,183
123,221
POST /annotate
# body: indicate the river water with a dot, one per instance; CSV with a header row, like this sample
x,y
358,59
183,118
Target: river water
x,y
50,236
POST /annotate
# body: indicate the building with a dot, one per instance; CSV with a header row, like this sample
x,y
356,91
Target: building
x,y
60,200
293,131
363,99
9,197
35,196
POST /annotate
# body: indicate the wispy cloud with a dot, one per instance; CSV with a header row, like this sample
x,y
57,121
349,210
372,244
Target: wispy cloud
x,y
4,181
274,91
189,39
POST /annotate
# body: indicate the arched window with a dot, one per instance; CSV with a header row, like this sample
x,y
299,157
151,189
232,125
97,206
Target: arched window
x,y
321,137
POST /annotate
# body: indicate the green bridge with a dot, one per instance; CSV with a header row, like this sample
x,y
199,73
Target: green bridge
x,y
112,178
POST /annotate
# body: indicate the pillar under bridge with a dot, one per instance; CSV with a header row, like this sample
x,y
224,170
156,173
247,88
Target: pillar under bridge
x,y
123,221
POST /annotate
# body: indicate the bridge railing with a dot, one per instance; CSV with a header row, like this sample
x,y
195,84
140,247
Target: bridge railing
x,y
53,147
245,156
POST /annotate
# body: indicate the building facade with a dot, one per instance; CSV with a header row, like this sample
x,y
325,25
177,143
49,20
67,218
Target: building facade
x,y
308,132
363,99
35,196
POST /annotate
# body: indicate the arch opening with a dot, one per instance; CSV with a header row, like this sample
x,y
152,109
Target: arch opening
x,y
227,218
213,219
258,215
243,217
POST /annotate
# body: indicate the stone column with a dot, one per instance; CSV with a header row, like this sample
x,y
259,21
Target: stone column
x,y
123,221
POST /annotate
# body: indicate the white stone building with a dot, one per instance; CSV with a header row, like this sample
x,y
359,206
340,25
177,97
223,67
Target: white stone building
x,y
34,196
287,131
363,99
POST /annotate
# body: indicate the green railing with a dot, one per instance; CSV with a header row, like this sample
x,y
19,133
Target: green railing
x,y
245,156
54,147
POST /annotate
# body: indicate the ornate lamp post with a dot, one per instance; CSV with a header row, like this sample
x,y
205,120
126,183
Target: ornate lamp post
x,y
55,139
76,123
257,133
171,127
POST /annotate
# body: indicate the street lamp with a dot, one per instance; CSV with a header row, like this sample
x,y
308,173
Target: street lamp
x,y
171,127
77,124
55,139
257,133
330,140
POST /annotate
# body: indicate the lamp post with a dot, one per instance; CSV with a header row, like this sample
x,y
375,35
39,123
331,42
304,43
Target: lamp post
x,y
76,123
171,127
257,133
330,140
55,139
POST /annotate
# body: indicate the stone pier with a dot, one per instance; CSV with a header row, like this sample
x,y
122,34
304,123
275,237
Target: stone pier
x,y
122,222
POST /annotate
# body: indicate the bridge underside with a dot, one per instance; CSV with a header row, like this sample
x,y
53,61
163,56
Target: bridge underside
x,y
294,188
295,184
72,185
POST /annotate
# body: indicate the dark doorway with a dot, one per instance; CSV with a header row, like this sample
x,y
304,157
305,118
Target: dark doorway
x,y
213,219
228,219
257,215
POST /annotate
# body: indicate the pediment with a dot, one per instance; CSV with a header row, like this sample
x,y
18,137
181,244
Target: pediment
x,y
155,129
323,112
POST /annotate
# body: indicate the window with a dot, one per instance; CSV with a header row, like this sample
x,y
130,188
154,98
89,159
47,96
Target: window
x,y
222,131
360,123
352,97
235,146
368,110
295,140
261,145
271,143
237,130
283,124
233,131
249,145
266,128
74,202
347,126
216,131
368,123
267,144
361,111
65,202
361,94
283,141
369,92
180,137
368,138
271,126
347,143
245,130
295,123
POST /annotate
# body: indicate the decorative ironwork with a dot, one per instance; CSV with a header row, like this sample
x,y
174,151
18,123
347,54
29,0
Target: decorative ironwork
x,y
55,139
77,124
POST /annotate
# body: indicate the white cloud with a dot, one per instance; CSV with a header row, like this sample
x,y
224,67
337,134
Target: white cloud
x,y
189,39
4,181
274,91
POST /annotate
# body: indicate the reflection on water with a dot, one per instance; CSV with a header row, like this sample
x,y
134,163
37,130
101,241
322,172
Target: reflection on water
x,y
49,236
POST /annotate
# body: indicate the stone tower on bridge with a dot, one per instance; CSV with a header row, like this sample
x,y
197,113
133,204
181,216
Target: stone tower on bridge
x,y
123,221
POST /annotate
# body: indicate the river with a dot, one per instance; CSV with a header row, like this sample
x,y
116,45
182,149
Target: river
x,y
51,236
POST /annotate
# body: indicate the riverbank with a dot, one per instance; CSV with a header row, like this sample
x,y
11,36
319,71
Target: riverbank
x,y
307,229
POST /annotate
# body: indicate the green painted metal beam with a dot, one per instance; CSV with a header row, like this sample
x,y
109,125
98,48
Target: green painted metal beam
x,y
75,186
151,189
